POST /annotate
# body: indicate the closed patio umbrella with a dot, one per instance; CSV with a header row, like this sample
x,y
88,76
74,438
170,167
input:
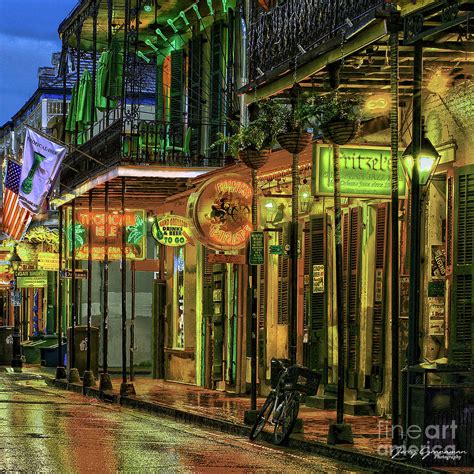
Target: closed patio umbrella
x,y
113,89
84,104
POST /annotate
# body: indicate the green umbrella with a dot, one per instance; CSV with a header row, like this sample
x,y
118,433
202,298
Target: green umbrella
x,y
113,83
84,104
71,116
101,83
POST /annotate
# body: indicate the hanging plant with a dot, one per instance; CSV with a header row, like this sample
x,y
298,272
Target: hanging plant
x,y
337,116
252,143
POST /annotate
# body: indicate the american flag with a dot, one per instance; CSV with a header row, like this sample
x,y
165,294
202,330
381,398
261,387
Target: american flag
x,y
15,218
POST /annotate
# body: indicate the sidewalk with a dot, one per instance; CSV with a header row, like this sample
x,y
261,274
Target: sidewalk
x,y
225,412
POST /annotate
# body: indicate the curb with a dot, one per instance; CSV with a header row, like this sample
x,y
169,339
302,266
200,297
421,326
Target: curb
x,y
344,455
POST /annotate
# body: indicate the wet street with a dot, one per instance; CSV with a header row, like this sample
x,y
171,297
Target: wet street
x,y
44,429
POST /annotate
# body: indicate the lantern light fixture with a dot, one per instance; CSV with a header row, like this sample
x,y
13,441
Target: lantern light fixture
x,y
426,161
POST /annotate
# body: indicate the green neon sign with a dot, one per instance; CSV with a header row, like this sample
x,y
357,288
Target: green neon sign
x,y
365,172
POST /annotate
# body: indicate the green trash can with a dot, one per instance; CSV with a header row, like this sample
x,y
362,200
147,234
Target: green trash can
x,y
6,345
80,341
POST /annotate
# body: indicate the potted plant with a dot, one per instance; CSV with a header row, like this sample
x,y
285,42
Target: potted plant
x,y
252,143
337,116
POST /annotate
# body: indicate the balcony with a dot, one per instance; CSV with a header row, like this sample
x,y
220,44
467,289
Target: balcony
x,y
140,142
291,31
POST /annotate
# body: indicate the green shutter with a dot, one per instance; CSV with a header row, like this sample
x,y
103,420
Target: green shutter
x,y
217,86
262,316
218,319
176,132
317,331
378,322
195,92
461,348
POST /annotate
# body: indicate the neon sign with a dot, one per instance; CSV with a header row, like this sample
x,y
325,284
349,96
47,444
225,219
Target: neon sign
x,y
221,212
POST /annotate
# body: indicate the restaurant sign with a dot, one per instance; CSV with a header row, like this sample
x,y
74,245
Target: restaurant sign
x,y
221,212
135,234
365,172
171,230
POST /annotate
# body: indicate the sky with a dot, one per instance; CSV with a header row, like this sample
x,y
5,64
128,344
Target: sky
x,y
28,37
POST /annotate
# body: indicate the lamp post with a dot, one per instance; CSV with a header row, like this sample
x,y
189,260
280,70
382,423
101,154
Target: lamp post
x,y
17,363
419,161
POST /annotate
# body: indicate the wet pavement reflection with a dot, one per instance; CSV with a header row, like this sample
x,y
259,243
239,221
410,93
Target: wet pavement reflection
x,y
43,429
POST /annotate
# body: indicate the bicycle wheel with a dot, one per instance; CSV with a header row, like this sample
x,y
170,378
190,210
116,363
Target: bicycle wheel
x,y
262,416
287,419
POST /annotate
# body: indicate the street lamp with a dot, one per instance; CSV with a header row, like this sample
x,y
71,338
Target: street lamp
x,y
16,361
426,161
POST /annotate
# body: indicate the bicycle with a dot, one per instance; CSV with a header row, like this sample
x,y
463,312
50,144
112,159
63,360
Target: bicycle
x,y
281,408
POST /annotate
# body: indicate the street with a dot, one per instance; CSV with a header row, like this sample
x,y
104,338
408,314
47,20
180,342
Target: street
x,y
43,429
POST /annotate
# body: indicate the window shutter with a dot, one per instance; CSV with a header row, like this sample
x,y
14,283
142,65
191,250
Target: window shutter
x,y
217,88
449,222
283,278
207,309
378,323
195,92
177,98
462,320
352,298
262,316
317,324
218,319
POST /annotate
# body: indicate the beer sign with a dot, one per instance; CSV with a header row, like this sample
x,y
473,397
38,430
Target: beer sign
x,y
171,230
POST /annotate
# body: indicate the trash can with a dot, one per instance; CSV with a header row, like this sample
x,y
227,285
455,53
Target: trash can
x,y
80,340
49,355
6,345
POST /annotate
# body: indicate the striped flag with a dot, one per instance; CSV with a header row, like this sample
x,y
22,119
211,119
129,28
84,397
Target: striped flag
x,y
15,217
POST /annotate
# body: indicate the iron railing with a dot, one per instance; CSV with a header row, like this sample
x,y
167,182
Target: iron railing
x,y
139,142
290,28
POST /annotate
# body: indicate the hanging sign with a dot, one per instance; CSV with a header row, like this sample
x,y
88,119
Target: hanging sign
x,y
221,212
48,261
365,172
42,160
31,279
171,230
257,248
135,234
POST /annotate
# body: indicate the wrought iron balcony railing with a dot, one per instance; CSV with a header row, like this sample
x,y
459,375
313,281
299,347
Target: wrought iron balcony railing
x,y
290,28
140,142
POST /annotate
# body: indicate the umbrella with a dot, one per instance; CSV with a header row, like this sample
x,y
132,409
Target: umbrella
x,y
84,104
71,116
113,84
100,99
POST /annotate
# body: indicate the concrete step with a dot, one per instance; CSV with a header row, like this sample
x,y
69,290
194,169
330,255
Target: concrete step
x,y
359,407
323,402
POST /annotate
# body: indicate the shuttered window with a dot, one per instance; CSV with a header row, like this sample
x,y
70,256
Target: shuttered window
x,y
177,98
462,324
317,343
217,85
195,92
378,323
351,270
283,278
262,312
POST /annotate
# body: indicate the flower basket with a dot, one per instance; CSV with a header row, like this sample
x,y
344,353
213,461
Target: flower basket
x,y
254,159
294,141
340,131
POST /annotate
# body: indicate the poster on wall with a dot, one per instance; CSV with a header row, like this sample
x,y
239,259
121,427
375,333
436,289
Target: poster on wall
x,y
221,212
436,313
135,234
438,261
